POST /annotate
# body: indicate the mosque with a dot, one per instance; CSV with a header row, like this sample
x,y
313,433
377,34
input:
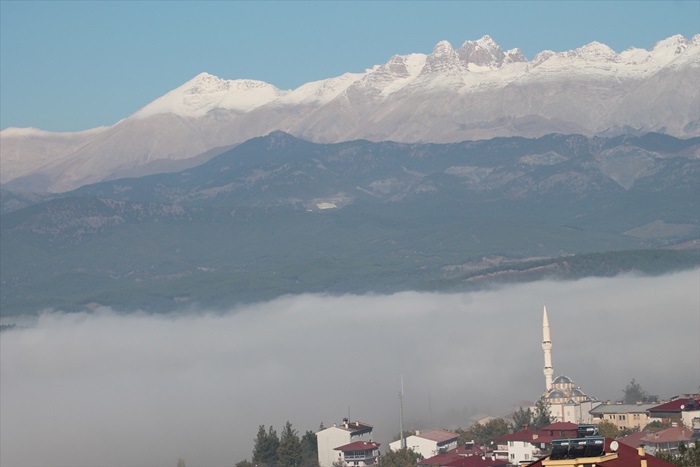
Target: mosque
x,y
568,402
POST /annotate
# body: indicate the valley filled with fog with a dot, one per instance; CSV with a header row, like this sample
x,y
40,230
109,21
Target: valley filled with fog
x,y
115,389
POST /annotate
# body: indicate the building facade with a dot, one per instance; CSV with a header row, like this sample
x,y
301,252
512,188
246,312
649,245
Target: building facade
x,y
521,447
430,443
358,454
623,416
337,436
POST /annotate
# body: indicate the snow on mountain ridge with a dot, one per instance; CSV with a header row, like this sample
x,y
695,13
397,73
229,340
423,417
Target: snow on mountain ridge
x,y
444,67
15,132
475,92
318,92
206,92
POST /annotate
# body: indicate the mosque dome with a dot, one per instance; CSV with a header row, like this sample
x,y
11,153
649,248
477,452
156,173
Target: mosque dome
x,y
556,394
576,392
562,380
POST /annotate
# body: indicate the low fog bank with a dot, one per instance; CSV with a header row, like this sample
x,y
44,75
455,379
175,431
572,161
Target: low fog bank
x,y
108,389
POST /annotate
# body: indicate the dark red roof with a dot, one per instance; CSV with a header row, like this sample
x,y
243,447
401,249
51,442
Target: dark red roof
x,y
452,459
673,406
440,459
475,461
669,435
627,456
474,451
358,446
561,426
532,436
634,439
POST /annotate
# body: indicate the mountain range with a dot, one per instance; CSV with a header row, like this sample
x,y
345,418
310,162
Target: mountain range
x,y
477,91
278,214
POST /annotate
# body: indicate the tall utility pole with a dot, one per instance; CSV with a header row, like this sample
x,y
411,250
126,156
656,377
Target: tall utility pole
x,y
403,438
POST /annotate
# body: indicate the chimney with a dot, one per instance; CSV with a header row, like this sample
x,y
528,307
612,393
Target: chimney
x,y
642,456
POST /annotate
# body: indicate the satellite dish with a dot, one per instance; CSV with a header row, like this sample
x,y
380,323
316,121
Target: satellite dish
x,y
682,407
614,445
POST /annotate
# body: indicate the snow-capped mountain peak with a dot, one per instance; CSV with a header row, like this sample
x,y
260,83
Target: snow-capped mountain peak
x,y
444,59
594,51
482,52
677,43
514,56
477,91
206,92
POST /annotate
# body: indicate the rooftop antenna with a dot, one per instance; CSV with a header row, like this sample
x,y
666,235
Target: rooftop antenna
x,y
403,438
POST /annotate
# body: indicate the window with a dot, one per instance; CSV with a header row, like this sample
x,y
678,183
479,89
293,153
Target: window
x,y
512,456
511,443
527,456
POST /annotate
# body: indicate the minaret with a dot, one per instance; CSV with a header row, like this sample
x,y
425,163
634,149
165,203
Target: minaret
x,y
547,347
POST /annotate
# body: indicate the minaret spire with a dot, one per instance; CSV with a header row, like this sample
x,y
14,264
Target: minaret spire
x,y
547,347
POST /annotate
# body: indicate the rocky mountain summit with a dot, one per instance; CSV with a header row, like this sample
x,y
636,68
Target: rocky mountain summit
x,y
477,91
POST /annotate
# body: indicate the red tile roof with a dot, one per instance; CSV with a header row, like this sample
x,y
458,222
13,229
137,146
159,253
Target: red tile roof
x,y
533,436
451,459
627,456
673,406
358,446
440,459
474,451
634,439
475,461
439,436
561,426
669,435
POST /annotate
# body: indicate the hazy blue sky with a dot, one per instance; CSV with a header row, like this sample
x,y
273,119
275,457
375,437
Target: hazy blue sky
x,y
75,65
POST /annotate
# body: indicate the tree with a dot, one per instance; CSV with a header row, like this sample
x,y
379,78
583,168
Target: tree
x,y
245,463
608,429
309,449
686,456
633,393
656,425
181,462
289,452
521,419
403,457
265,448
542,416
483,434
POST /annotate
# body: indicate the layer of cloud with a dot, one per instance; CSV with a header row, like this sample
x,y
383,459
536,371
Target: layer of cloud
x,y
108,389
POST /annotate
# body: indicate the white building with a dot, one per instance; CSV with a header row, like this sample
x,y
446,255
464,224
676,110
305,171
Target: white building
x,y
359,454
523,446
339,436
430,443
